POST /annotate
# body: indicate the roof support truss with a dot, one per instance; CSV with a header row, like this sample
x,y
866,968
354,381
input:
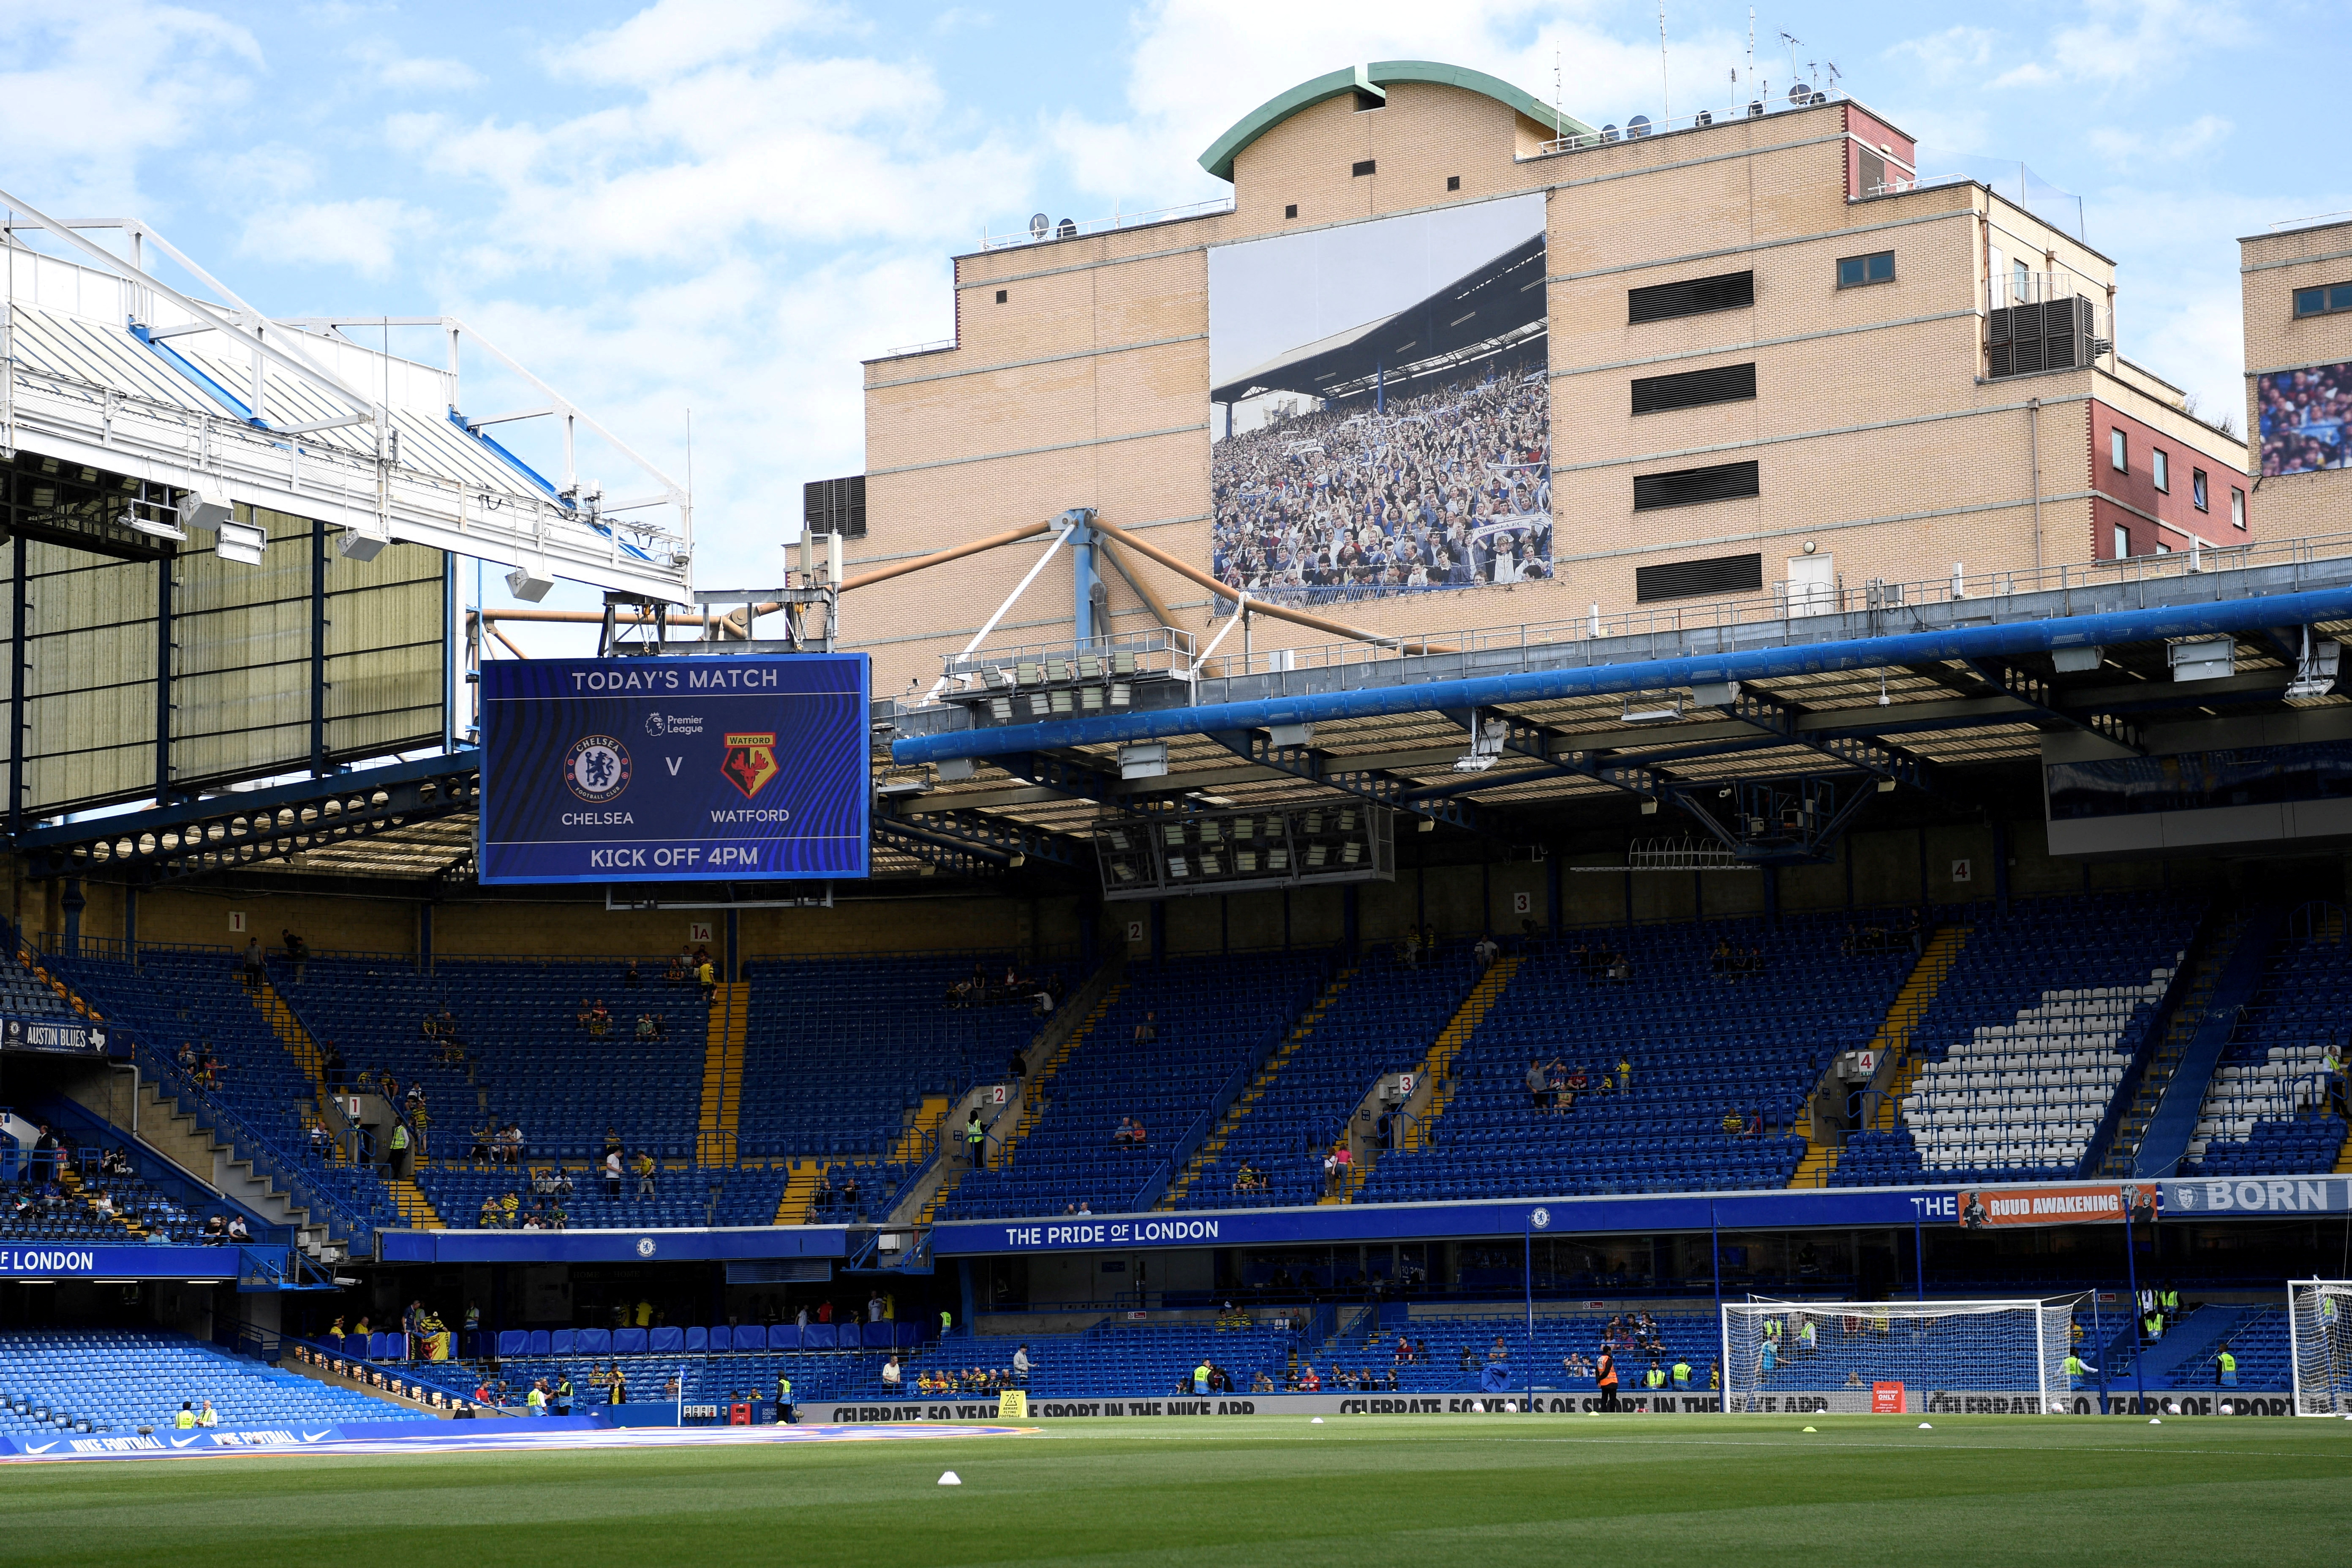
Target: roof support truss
x,y
1375,784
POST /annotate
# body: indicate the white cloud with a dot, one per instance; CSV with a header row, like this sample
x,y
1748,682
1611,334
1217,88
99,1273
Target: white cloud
x,y
2135,43
675,37
365,234
2124,148
113,83
400,72
1950,53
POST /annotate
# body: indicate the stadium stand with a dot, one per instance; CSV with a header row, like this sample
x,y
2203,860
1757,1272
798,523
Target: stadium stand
x,y
25,994
839,1050
1381,1022
2267,1109
1215,1018
97,1380
258,1097
2022,1051
144,1197
1701,1045
1115,1359
527,1059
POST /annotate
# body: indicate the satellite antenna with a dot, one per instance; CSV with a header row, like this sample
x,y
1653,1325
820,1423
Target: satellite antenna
x,y
1799,96
1637,126
1067,229
1039,226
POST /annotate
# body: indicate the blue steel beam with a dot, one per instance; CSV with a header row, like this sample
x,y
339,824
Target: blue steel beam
x,y
2112,630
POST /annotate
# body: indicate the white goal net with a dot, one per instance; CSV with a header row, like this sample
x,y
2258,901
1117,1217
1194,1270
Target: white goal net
x,y
1904,1357
2319,1344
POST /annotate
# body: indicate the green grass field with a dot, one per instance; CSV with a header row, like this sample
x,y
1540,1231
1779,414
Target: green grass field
x,y
1266,1489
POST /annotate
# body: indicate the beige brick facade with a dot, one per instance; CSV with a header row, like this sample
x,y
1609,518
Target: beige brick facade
x,y
2272,267
1877,437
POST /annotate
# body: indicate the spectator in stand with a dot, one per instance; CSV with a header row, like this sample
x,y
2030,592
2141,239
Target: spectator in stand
x,y
1538,1084
587,1010
707,976
1487,951
255,973
1148,1032
630,977
643,1171
613,1173
645,1025
236,1230
488,1218
600,1019
676,973
297,952
1021,1366
849,1193
1409,950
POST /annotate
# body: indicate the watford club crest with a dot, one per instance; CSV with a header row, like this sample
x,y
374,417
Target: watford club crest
x,y
750,763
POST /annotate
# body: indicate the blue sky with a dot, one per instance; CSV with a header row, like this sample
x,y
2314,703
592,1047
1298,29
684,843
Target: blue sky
x,y
724,206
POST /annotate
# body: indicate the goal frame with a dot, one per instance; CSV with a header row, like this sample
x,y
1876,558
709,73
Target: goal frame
x,y
2049,1316
2337,1399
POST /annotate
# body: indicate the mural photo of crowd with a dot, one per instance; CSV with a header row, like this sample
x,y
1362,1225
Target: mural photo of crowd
x,y
1381,407
2305,414
1447,488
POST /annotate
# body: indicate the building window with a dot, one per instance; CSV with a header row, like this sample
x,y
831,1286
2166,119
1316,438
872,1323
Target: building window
x,y
2161,465
2123,542
1690,297
2118,452
1001,295
1290,211
1855,270
2325,301
2237,507
1364,166
1453,182
2197,490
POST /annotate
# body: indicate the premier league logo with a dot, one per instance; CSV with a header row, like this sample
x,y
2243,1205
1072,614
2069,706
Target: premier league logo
x,y
596,768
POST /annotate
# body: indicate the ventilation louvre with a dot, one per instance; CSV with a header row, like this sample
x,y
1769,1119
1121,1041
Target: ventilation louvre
x,y
1693,388
1690,579
1690,297
1692,487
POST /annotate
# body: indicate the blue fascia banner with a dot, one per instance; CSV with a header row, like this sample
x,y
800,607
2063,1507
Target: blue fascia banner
x,y
611,1246
76,1260
166,1440
2255,1197
76,1035
735,768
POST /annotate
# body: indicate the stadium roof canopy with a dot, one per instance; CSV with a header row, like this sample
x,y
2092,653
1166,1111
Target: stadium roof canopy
x,y
1494,306
111,367
1371,82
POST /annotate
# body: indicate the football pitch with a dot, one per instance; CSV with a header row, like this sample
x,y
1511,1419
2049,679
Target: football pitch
x,y
1265,1489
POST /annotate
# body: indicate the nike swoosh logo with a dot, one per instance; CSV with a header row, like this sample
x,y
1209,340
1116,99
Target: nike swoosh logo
x,y
314,1437
42,1449
181,1442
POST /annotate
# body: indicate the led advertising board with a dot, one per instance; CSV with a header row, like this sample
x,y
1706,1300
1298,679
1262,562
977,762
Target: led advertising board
x,y
733,768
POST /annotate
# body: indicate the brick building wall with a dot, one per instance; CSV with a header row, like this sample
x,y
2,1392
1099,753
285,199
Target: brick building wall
x,y
2272,267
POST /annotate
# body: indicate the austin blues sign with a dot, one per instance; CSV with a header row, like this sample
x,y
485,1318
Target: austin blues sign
x,y
52,1035
727,768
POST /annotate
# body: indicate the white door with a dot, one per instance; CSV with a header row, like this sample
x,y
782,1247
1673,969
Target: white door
x,y
1812,585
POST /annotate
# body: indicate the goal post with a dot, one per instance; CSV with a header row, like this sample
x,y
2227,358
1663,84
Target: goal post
x,y
1999,1357
2319,1345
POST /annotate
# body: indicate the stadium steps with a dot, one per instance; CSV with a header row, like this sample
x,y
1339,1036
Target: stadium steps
x,y
1040,1078
178,1136
722,1073
1247,1101
1437,1067
921,1128
288,1028
2343,1158
65,992
401,1409
2164,1063
1902,1015
800,1191
1813,1170
416,1210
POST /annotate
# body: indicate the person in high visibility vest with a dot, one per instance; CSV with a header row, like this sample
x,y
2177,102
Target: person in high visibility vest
x,y
1655,1377
1810,1336
785,1411
398,1162
563,1395
2225,1374
2077,1370
2152,1326
535,1402
1682,1373
947,1320
1200,1377
975,1141
186,1419
2170,1299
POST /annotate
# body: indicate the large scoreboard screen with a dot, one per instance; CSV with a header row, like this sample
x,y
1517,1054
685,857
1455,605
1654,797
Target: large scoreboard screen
x,y
719,768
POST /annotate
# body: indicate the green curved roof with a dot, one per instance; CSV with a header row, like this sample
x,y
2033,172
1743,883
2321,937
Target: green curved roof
x,y
1374,80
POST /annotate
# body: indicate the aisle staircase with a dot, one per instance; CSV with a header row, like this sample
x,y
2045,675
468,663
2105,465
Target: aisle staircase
x,y
280,1016
416,1210
1893,1041
722,1073
1247,1100
2225,973
1437,1067
951,1171
800,1191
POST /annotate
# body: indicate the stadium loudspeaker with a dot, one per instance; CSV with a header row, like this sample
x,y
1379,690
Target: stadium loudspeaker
x,y
201,509
353,546
2077,660
241,542
955,770
527,588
